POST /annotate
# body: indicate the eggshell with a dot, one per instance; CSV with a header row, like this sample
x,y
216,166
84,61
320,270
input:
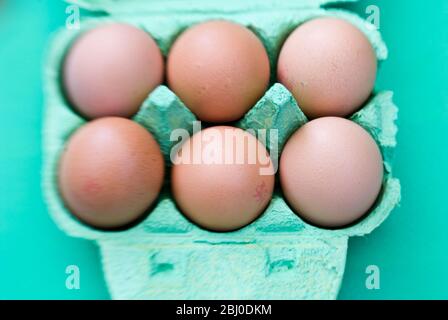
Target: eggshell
x,y
222,178
331,171
111,172
219,69
329,66
110,71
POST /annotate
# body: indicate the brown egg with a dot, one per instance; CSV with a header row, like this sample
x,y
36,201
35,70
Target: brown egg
x,y
331,172
223,178
329,66
219,69
111,70
111,172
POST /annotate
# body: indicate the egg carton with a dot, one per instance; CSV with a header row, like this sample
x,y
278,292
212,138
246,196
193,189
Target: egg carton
x,y
165,256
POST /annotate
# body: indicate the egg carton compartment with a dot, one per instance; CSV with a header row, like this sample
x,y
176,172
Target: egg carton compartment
x,y
165,256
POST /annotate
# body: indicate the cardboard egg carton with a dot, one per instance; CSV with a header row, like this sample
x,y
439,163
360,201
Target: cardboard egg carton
x,y
165,256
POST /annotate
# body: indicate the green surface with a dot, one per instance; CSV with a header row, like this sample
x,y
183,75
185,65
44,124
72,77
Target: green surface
x,y
409,248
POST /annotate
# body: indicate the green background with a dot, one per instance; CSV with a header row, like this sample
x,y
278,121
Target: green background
x,y
410,248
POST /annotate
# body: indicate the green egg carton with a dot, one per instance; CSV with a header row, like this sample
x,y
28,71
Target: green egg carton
x,y
279,256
